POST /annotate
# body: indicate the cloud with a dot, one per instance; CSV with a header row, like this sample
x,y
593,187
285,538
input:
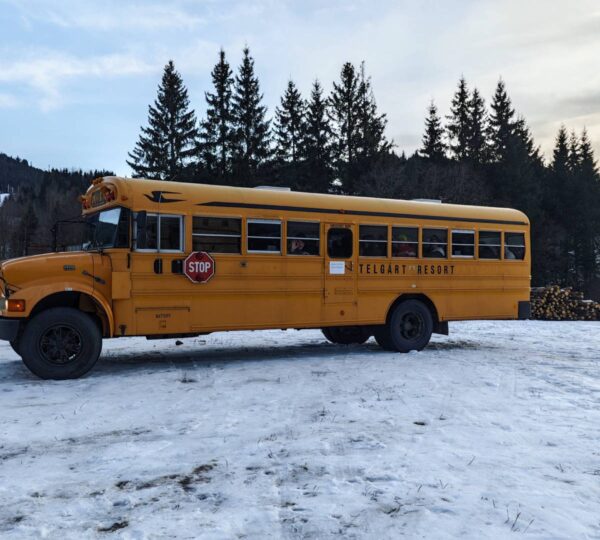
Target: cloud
x,y
8,101
47,73
109,16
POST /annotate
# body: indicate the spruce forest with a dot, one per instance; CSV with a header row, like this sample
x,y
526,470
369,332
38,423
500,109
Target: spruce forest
x,y
334,141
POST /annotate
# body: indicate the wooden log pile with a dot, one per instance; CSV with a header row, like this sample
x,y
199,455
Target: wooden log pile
x,y
556,304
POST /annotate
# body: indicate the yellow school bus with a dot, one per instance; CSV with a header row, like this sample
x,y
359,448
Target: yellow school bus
x,y
166,259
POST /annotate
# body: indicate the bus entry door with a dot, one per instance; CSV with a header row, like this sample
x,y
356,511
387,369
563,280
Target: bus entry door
x,y
340,298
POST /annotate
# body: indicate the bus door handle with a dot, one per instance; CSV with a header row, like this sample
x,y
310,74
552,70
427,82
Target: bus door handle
x,y
158,266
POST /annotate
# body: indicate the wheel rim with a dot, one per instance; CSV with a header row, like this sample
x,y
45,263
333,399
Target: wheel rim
x,y
60,344
412,326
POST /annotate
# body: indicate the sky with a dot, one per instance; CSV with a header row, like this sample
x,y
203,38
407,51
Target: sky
x,y
76,76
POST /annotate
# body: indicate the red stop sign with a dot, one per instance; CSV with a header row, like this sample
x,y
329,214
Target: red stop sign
x,y
199,267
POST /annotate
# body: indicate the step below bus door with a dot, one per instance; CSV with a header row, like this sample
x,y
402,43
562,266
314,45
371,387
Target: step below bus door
x,y
340,293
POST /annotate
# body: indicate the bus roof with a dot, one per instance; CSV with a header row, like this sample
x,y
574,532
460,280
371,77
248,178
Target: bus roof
x,y
146,195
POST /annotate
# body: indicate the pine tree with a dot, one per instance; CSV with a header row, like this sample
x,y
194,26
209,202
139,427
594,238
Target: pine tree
x,y
251,135
216,134
433,144
476,141
501,124
573,158
459,122
290,125
317,145
371,124
358,128
344,110
166,146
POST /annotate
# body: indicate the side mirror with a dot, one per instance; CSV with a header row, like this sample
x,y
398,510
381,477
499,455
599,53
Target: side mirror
x,y
141,239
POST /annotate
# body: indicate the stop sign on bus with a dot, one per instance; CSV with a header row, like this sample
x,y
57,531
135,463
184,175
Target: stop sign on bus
x,y
199,267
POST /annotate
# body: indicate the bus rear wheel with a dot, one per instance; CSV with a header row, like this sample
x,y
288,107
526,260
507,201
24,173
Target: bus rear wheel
x,y
60,343
346,335
409,328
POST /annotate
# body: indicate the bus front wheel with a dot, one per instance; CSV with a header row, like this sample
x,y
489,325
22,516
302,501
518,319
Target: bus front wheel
x,y
409,328
346,335
60,343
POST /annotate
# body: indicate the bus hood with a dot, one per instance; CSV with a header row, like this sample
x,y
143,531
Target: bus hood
x,y
72,266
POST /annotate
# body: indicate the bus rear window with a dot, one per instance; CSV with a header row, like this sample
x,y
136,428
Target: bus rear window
x,y
514,245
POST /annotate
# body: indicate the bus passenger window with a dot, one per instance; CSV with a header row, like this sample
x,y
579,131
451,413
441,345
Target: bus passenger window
x,y
302,238
514,246
163,233
339,243
170,233
217,234
435,243
372,241
264,236
489,244
151,231
463,244
405,241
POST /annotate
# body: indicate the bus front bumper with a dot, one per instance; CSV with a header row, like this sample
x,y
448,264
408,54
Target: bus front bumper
x,y
9,328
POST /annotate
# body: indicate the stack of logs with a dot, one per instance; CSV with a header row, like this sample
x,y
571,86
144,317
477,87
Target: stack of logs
x,y
556,304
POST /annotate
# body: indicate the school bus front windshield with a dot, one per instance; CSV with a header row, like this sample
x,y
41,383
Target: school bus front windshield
x,y
101,230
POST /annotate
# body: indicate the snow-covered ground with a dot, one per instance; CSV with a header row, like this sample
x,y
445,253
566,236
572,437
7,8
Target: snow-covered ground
x,y
492,432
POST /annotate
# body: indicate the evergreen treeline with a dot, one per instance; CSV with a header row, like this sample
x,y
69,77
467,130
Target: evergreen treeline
x,y
37,199
335,142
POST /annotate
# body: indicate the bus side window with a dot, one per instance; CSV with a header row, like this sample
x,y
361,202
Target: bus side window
x,y
405,241
339,243
163,233
372,240
264,236
489,244
435,243
514,246
463,243
302,238
217,234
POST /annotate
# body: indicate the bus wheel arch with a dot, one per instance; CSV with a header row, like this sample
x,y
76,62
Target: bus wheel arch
x,y
83,301
410,321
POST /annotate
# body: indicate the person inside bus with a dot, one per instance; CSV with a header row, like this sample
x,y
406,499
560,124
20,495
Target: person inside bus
x,y
435,249
297,247
402,248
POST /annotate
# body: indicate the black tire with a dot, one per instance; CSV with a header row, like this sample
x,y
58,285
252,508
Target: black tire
x,y
15,346
383,339
61,343
346,335
409,327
